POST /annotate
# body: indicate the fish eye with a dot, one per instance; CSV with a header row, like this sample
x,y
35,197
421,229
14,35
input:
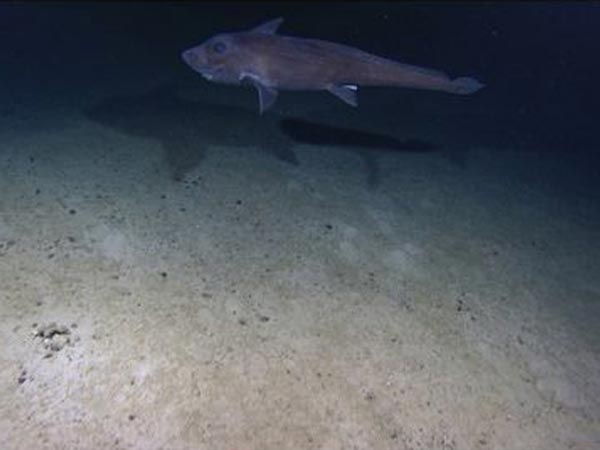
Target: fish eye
x,y
219,47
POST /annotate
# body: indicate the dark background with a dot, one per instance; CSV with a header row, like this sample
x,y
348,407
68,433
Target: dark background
x,y
539,60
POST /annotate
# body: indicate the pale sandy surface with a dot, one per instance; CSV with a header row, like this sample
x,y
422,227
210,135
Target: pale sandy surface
x,y
258,304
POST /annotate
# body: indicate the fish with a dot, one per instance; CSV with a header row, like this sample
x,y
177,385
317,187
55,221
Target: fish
x,y
271,62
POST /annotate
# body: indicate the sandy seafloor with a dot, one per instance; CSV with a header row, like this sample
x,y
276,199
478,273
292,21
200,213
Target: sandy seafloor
x,y
230,284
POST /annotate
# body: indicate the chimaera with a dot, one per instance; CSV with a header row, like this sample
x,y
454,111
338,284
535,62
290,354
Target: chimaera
x,y
272,62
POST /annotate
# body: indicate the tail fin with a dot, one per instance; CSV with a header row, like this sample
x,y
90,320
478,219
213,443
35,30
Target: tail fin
x,y
465,85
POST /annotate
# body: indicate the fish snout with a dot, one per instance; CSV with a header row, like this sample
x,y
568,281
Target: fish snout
x,y
201,62
196,59
190,58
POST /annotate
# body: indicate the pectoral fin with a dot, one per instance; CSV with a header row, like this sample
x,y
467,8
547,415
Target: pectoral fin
x,y
346,93
266,95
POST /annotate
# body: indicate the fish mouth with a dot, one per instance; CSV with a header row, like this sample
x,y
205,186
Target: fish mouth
x,y
207,75
206,72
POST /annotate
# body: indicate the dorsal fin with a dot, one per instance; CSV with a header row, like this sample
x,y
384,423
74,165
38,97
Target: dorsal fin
x,y
269,27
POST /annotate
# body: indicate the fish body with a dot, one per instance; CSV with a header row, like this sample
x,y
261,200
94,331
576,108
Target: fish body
x,y
272,62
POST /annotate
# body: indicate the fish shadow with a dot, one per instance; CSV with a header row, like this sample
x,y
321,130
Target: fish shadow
x,y
307,132
185,127
368,145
